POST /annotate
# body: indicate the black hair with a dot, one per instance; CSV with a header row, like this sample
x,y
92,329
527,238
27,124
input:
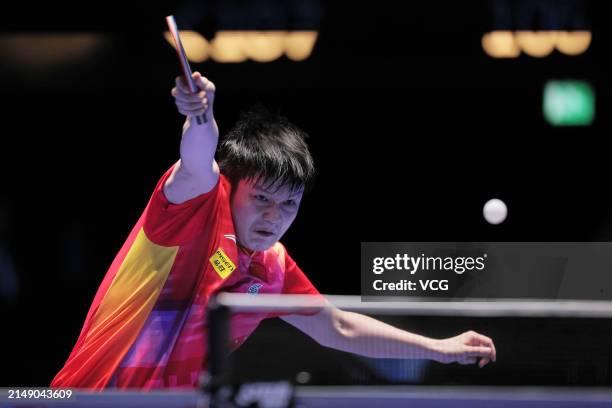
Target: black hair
x,y
266,148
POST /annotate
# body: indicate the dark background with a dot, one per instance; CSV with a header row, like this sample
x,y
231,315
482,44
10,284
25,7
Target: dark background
x,y
413,127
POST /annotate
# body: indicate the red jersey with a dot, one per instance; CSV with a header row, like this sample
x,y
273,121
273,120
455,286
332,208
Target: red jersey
x,y
146,327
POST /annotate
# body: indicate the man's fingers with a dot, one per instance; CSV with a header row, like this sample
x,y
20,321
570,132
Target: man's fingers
x,y
199,112
494,351
182,85
479,351
187,97
196,110
192,105
494,356
483,362
203,82
477,339
488,342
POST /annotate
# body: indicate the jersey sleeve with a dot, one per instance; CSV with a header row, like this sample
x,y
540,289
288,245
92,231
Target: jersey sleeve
x,y
296,282
171,224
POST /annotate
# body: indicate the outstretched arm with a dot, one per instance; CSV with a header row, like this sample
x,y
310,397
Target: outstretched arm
x,y
360,334
196,172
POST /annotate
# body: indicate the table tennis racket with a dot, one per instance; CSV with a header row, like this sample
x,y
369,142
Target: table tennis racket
x,y
180,51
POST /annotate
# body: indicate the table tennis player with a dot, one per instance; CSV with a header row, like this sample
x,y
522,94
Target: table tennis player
x,y
214,225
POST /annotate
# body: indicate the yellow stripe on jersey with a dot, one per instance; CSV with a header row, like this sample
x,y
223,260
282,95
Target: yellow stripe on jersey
x,y
134,289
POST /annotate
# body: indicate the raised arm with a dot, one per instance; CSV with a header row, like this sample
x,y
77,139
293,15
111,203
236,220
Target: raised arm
x,y
196,172
360,334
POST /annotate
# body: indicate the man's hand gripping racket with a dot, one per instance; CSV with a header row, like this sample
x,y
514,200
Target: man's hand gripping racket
x,y
193,93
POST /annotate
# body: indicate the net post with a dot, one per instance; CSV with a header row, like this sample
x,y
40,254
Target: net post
x,y
217,374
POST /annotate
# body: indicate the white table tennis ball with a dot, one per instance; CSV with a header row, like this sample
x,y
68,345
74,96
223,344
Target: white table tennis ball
x,y
495,211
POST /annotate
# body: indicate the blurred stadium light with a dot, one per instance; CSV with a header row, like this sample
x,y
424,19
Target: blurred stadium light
x,y
537,28
259,30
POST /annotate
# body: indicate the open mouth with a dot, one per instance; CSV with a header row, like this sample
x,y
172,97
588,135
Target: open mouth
x,y
264,233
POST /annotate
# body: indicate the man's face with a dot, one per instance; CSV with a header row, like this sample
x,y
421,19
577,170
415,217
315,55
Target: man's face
x,y
262,214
